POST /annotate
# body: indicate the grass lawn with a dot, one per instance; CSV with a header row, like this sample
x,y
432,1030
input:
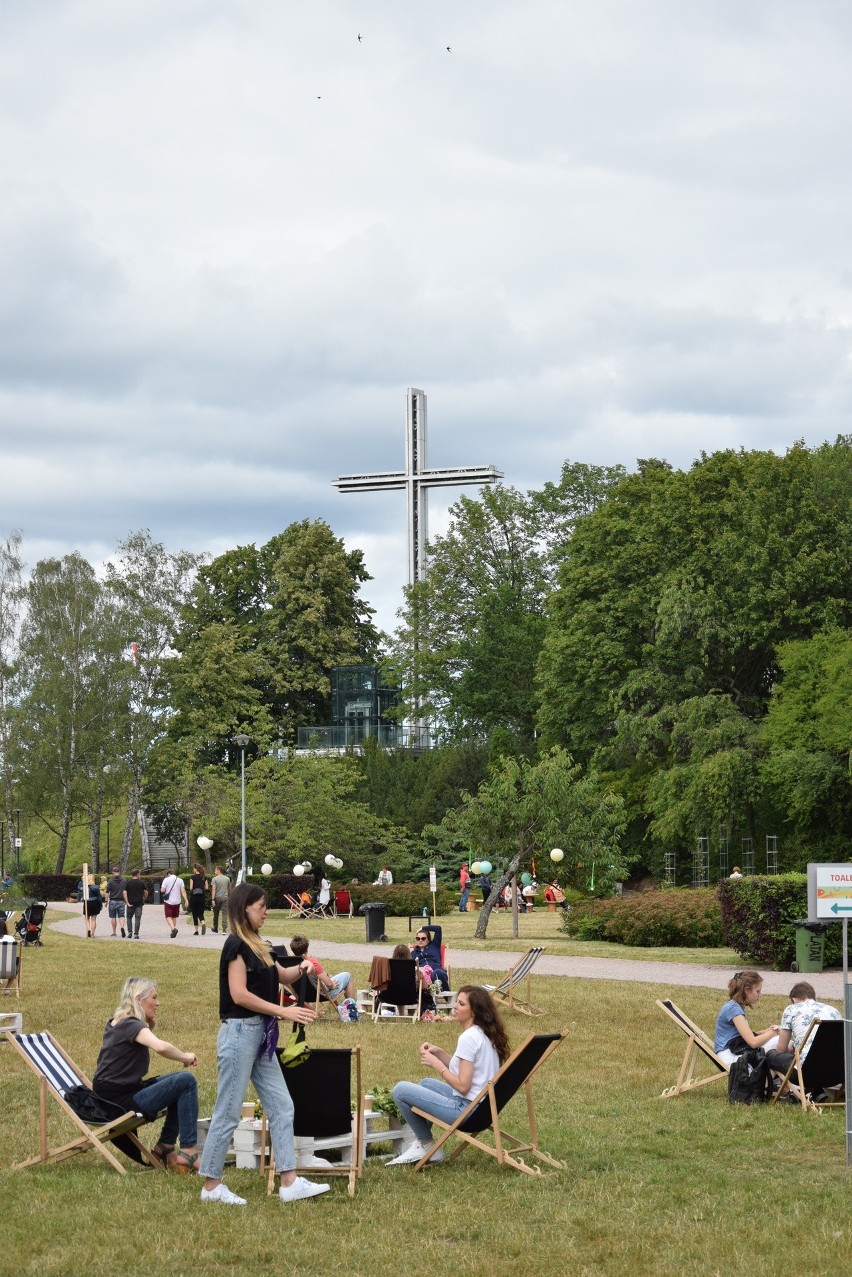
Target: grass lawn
x,y
652,1186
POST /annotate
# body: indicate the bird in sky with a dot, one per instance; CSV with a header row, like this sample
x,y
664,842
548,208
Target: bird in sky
x,y
449,50
359,39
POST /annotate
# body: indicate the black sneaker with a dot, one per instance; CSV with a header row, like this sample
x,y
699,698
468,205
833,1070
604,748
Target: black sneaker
x,y
123,933
203,929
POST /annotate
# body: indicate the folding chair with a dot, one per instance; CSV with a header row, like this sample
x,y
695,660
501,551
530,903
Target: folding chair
x,y
404,993
522,970
321,1090
483,1112
343,904
698,1046
822,1067
297,908
10,964
57,1073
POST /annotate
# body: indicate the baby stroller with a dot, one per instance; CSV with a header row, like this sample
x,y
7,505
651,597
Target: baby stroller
x,y
30,923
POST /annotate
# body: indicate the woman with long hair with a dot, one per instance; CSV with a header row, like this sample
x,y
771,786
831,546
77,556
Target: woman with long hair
x,y
481,1049
129,1038
198,884
249,979
733,1034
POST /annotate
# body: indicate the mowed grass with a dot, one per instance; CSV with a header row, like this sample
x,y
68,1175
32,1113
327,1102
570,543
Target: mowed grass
x,y
651,1187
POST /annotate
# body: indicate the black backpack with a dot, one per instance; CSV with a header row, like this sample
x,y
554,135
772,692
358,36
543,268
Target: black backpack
x,y
750,1078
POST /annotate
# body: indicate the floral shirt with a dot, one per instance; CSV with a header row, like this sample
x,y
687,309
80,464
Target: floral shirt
x,y
798,1016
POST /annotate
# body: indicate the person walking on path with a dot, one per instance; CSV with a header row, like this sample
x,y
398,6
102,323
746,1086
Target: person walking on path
x,y
115,901
172,892
219,891
464,887
135,895
198,885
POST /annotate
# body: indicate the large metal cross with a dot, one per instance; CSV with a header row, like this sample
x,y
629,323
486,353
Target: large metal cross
x,y
416,478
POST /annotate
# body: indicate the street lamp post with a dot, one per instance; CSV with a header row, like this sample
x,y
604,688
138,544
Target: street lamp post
x,y
242,740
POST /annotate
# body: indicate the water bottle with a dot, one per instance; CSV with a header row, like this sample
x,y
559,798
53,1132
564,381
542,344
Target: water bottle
x,y
425,912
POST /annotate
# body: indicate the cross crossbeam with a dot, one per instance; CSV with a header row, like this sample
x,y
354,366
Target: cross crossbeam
x,y
416,478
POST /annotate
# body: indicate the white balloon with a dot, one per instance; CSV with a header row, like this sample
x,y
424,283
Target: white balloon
x,y
204,843
557,854
330,860
298,870
338,864
266,869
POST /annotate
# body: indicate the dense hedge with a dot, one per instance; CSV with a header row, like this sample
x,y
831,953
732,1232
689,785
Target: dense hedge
x,y
682,918
404,899
46,886
758,914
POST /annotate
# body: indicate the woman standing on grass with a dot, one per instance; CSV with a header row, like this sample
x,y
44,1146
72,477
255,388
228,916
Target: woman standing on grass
x,y
123,1061
733,1035
249,979
480,1050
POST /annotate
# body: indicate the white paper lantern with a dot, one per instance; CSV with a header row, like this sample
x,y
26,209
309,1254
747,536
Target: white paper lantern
x,y
338,864
307,866
266,869
204,843
330,860
298,870
557,854
476,868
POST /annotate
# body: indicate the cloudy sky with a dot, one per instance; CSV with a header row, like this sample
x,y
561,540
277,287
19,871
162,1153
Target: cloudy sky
x,y
232,234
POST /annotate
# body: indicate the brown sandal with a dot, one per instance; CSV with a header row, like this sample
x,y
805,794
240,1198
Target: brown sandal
x,y
161,1153
183,1163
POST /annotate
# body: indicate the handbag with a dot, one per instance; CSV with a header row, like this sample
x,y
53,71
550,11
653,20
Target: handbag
x,y
295,1050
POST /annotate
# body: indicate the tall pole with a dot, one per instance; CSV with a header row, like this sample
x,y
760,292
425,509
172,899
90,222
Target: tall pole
x,y
2,849
242,740
17,815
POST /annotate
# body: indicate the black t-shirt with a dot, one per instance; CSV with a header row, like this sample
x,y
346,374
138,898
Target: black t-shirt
x,y
135,889
262,981
197,882
122,1062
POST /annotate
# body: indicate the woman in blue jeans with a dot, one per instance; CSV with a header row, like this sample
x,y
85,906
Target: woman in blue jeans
x,y
480,1050
123,1061
249,979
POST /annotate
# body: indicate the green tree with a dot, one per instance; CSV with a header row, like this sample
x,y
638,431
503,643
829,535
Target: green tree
x,y
523,810
472,630
807,736
150,587
66,715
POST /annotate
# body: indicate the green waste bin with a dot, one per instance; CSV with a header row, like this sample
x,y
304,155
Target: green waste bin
x,y
810,945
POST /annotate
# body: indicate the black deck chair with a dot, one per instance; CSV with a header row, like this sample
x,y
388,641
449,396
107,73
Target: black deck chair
x,y
404,993
321,1090
483,1112
822,1067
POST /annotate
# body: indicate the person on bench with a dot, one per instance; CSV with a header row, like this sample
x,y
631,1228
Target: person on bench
x,y
796,1019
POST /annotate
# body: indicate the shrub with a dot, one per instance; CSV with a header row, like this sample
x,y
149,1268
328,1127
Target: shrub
x,y
277,885
404,899
47,886
758,916
680,918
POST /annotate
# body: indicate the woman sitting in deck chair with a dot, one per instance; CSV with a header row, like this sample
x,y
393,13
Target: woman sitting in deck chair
x,y
480,1050
123,1062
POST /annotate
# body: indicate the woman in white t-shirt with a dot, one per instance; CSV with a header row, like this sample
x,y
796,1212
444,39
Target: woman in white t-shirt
x,y
480,1050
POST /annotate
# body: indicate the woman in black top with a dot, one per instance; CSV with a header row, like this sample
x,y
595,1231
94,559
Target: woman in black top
x,y
249,980
198,884
129,1038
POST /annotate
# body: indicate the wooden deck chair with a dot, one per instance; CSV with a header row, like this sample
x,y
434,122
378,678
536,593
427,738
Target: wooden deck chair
x,y
822,1067
522,970
404,993
483,1112
11,954
297,908
321,1090
699,1050
57,1073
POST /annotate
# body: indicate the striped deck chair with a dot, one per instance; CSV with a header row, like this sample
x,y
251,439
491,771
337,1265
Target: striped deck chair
x,y
522,970
483,1112
699,1049
57,1073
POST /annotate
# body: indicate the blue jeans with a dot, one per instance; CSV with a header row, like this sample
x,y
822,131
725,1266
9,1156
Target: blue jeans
x,y
340,983
431,1095
236,1050
178,1092
463,899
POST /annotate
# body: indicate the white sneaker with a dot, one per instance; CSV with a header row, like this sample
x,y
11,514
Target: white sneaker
x,y
301,1188
414,1152
221,1193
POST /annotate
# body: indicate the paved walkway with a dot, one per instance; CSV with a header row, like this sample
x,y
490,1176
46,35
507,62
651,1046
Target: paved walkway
x,y
828,984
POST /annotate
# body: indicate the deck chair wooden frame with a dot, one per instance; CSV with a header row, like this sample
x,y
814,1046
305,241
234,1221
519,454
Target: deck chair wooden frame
x,y
483,1112
823,1066
348,910
521,971
15,951
412,1007
335,1123
56,1073
297,908
699,1050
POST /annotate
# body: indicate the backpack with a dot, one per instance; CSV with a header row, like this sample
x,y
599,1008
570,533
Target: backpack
x,y
750,1078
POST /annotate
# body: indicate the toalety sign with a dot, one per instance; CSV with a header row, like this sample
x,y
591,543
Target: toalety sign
x,y
829,892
